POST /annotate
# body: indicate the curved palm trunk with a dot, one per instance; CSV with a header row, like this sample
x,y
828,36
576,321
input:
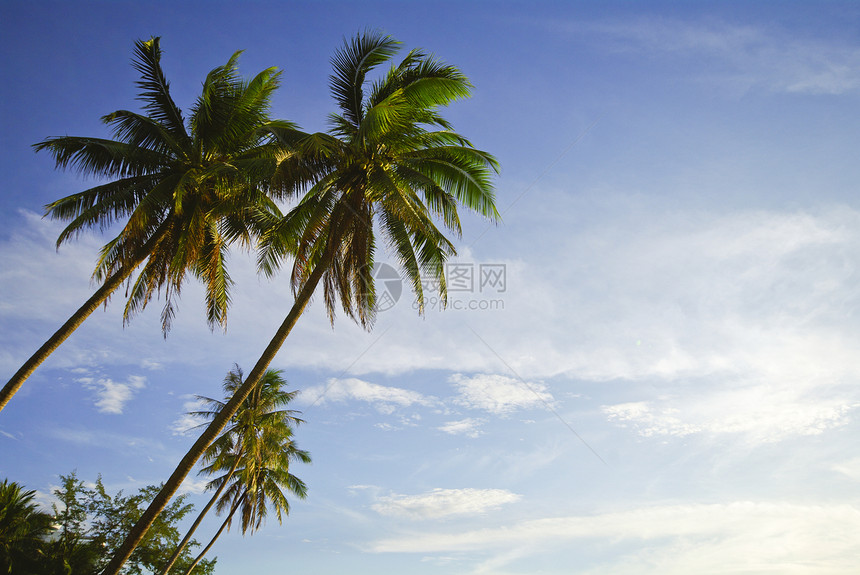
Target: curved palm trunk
x,y
211,433
200,517
217,535
98,298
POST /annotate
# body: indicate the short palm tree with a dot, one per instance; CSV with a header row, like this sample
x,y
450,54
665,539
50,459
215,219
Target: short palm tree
x,y
23,529
185,190
390,160
253,457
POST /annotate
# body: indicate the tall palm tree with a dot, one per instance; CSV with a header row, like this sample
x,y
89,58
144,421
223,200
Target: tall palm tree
x,y
260,431
185,190
23,529
261,478
390,160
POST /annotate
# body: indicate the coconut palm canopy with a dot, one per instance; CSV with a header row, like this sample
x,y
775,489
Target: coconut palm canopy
x,y
188,188
251,460
331,230
180,191
679,242
391,164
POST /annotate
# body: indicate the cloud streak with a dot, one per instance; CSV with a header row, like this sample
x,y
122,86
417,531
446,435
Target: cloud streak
x,y
440,503
469,427
183,424
498,394
675,539
762,414
745,57
354,389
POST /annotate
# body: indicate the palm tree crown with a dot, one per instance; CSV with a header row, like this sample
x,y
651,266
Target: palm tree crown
x,y
253,455
186,191
390,160
261,440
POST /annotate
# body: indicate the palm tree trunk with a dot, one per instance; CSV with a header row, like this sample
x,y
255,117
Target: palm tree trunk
x,y
218,534
200,517
98,298
218,423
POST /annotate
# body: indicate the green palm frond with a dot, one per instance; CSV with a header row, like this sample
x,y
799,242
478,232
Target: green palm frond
x,y
351,64
145,134
100,157
155,89
99,207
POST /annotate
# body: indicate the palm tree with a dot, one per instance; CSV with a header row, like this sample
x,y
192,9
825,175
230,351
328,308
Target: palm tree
x,y
390,160
253,454
185,191
23,529
258,482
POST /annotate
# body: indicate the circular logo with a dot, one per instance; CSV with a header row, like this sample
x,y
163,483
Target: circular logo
x,y
389,286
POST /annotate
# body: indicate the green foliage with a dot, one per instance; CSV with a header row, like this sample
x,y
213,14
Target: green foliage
x,y
391,163
83,530
23,530
182,190
254,454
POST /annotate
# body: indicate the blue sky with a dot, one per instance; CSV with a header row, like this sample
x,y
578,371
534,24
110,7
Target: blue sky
x,y
666,382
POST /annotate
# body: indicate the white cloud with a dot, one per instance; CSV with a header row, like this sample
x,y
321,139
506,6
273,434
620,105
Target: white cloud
x,y
352,389
469,427
111,396
193,486
749,300
102,439
751,292
849,468
748,537
31,268
763,414
150,364
743,57
498,394
187,422
440,503
47,500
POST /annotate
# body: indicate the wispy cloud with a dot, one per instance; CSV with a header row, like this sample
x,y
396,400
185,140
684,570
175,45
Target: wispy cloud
x,y
193,486
384,397
150,364
499,394
7,434
186,422
470,427
849,468
440,503
743,57
733,304
674,539
112,396
763,414
104,439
